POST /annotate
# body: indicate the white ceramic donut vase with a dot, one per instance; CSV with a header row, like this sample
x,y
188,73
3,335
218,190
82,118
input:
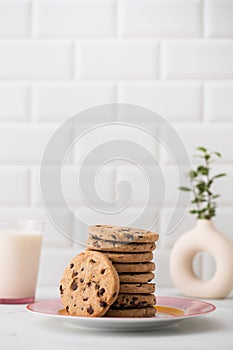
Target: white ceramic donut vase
x,y
204,237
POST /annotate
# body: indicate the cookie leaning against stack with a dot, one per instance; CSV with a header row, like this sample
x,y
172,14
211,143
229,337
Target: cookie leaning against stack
x,y
131,252
89,285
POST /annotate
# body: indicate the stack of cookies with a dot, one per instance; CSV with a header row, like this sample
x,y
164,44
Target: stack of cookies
x,y
131,252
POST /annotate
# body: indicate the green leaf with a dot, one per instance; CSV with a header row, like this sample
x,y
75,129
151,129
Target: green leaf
x,y
216,196
212,212
192,174
185,189
202,149
193,211
201,211
207,156
203,170
217,154
201,186
195,200
219,175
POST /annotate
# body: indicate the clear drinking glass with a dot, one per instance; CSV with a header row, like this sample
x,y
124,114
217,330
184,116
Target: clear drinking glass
x,y
20,246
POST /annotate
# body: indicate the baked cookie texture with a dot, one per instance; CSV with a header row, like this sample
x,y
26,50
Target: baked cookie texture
x,y
148,311
122,247
132,301
122,234
136,277
137,288
89,285
135,267
129,257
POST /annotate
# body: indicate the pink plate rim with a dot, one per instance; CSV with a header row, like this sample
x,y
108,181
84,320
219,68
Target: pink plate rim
x,y
190,307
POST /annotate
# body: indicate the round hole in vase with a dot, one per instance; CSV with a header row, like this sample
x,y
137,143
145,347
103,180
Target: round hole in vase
x,y
204,237
196,265
204,265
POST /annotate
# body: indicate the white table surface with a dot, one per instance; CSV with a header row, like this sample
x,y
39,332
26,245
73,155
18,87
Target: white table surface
x,y
21,330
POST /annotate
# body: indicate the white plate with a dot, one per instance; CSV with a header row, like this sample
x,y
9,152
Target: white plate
x,y
169,312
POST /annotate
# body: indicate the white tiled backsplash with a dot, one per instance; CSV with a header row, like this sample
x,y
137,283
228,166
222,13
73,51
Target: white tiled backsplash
x,y
58,57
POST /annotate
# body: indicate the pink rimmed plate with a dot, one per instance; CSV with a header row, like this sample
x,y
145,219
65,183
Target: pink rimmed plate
x,y
169,312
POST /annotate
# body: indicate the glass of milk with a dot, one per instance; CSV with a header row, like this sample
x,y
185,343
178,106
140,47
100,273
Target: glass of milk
x,y
20,246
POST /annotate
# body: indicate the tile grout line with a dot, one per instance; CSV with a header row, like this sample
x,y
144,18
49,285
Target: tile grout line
x,y
33,19
159,60
117,20
203,20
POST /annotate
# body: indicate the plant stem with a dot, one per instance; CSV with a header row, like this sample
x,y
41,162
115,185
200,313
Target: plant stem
x,y
209,199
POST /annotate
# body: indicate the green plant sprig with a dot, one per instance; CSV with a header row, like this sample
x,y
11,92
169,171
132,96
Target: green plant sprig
x,y
203,199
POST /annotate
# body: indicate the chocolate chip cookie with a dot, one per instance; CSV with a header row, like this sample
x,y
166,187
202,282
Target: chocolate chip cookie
x,y
137,288
148,311
136,277
90,285
129,257
132,301
122,234
108,246
138,267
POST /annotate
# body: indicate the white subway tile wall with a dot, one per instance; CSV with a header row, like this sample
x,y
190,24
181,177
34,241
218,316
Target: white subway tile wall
x,y
58,58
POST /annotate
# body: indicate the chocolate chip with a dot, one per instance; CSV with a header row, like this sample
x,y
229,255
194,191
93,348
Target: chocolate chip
x,y
88,284
149,280
142,303
92,261
135,298
67,308
82,269
75,273
61,290
85,299
140,236
103,304
81,280
97,286
102,271
132,302
114,294
75,305
90,310
71,265
113,236
74,285
129,236
100,292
